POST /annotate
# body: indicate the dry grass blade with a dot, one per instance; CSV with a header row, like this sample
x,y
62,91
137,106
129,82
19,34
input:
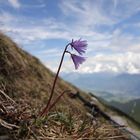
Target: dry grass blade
x,y
6,96
8,125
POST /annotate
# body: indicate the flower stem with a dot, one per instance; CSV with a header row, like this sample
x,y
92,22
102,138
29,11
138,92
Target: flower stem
x,y
57,99
45,110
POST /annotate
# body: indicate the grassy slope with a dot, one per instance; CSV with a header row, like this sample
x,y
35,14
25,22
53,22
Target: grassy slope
x,y
22,74
28,82
131,108
116,112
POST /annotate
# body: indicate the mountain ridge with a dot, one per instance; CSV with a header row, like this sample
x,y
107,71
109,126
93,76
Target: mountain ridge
x,y
108,82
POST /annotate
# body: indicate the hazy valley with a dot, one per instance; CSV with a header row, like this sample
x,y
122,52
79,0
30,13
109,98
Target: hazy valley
x,y
119,90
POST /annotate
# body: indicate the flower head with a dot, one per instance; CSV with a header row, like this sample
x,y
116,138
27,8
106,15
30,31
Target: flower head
x,y
77,60
79,45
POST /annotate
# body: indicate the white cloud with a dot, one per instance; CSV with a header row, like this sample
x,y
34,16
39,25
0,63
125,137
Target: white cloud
x,y
45,29
30,31
14,3
120,62
92,12
85,13
52,53
6,18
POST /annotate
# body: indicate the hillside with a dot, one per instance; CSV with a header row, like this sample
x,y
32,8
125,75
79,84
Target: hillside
x,y
119,90
25,84
131,108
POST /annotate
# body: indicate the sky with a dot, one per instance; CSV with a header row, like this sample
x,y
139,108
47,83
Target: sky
x,y
44,27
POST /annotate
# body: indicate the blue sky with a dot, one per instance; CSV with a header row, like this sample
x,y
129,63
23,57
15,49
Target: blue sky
x,y
44,27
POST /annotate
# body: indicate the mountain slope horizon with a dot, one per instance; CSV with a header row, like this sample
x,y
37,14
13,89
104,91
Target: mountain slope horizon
x,y
25,85
115,83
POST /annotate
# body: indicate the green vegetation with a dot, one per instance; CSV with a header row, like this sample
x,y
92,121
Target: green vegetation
x,y
131,108
119,109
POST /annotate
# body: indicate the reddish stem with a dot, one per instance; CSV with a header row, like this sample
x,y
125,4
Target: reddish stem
x,y
56,100
54,83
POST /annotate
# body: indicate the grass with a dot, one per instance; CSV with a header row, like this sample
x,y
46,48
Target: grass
x,y
24,79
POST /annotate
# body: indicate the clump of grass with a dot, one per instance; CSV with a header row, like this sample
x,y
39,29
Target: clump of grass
x,y
23,131
65,119
82,125
41,121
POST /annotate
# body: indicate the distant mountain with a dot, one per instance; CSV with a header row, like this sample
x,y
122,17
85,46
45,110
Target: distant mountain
x,y
119,90
131,108
116,84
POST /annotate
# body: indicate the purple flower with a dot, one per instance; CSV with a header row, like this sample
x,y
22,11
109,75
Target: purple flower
x,y
77,60
79,45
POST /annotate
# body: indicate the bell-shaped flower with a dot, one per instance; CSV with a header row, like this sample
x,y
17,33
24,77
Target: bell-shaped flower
x,y
77,60
79,45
